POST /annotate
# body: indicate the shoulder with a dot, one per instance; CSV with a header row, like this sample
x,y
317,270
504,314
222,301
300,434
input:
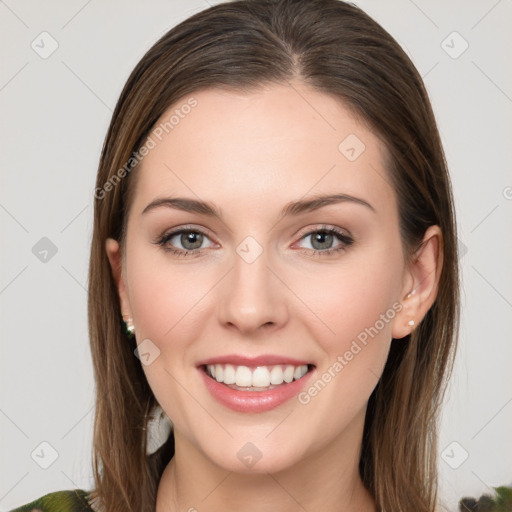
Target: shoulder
x,y
59,501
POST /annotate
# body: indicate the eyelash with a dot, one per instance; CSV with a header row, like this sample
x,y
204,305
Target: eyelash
x,y
345,240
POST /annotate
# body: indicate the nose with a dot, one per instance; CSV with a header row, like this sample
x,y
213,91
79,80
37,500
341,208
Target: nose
x,y
253,297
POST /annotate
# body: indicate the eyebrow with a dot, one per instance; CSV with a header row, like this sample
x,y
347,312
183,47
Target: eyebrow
x,y
292,208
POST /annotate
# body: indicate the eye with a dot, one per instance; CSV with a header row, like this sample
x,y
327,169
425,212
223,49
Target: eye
x,y
322,240
190,240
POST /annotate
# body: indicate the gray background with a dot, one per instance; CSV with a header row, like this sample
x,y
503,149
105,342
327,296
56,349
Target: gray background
x,y
54,115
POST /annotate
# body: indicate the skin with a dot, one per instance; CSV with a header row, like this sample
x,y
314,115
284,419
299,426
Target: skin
x,y
250,154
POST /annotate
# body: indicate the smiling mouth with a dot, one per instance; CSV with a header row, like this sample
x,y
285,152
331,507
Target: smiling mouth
x,y
259,378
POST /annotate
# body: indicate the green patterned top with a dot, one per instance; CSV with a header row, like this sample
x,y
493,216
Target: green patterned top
x,y
60,501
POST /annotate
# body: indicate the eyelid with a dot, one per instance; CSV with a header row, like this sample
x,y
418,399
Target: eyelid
x,y
301,234
323,227
186,227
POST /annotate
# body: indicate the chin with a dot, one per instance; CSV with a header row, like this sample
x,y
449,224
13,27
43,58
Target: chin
x,y
253,457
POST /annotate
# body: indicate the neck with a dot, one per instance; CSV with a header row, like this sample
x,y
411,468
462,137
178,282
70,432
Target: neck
x,y
328,480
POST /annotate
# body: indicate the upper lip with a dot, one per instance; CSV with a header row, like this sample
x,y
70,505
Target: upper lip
x,y
262,360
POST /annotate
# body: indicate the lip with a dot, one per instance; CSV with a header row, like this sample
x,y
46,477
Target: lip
x,y
254,401
262,360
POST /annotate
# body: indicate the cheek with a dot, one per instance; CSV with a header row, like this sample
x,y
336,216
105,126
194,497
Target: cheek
x,y
345,301
166,303
357,309
165,297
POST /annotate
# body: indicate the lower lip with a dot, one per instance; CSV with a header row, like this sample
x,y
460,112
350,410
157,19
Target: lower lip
x,y
254,401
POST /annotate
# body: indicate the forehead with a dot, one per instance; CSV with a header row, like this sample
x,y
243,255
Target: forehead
x,y
279,143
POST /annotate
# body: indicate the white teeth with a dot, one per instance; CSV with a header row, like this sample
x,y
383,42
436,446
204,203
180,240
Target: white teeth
x,y
276,375
288,373
259,377
243,376
229,374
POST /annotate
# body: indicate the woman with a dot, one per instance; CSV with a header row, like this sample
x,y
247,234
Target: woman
x,y
273,268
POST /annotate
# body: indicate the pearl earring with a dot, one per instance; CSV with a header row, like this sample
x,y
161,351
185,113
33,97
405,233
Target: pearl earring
x,y
128,327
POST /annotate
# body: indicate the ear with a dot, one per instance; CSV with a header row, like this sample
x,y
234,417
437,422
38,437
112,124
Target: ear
x,y
114,256
420,284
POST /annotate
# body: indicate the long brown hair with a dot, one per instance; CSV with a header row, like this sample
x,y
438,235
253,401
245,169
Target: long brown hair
x,y
340,51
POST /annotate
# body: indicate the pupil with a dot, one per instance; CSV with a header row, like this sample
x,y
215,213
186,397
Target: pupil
x,y
187,238
324,238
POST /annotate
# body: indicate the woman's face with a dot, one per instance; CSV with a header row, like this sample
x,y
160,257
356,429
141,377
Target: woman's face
x,y
266,283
